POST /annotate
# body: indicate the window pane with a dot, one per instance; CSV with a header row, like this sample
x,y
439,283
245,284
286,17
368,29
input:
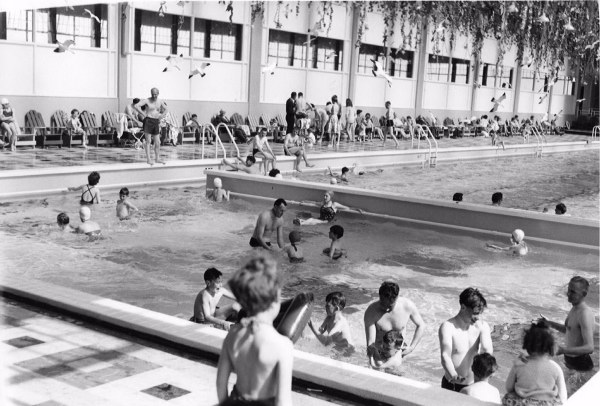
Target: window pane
x,y
299,51
223,38
402,64
365,54
183,35
155,32
199,37
281,48
438,68
506,76
527,79
74,24
19,25
42,20
326,54
460,71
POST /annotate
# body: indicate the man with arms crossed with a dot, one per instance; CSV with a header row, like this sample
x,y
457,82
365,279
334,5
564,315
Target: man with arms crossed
x,y
155,111
391,312
267,222
579,327
461,338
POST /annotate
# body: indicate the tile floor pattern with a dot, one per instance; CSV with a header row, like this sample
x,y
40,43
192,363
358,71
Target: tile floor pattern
x,y
30,158
52,360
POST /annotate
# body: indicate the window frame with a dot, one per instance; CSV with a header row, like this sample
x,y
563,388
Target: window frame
x,y
398,55
96,29
293,41
437,76
454,63
367,65
315,59
29,26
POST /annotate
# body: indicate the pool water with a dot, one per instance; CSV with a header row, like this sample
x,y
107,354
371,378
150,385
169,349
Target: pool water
x,y
527,183
157,260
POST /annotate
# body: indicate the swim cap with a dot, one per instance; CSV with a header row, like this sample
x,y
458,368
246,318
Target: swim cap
x,y
518,235
333,181
85,213
295,237
4,100
217,182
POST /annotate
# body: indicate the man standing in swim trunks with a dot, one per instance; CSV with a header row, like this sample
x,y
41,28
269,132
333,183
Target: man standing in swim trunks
x,y
391,312
461,338
579,327
267,222
155,111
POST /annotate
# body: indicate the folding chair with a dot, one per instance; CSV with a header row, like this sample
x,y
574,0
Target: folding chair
x,y
58,123
96,134
188,134
27,133
44,136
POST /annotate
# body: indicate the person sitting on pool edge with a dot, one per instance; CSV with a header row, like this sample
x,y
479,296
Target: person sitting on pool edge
x,y
335,251
206,309
294,252
63,223
335,328
327,211
518,245
87,226
267,222
239,165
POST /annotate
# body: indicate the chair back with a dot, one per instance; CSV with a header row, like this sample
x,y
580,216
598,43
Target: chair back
x,y
237,119
34,119
186,118
171,120
281,120
110,120
88,119
59,120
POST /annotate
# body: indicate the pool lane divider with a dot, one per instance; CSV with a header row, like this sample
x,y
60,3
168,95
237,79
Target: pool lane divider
x,y
55,180
350,381
545,229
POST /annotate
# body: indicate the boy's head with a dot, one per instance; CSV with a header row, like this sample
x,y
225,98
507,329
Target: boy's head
x,y
345,170
256,286
74,113
336,231
212,276
497,198
473,300
85,213
295,237
484,365
250,160
194,116
136,100
387,104
388,293
124,192
336,300
561,208
538,339
93,178
457,197
217,183
393,338
62,219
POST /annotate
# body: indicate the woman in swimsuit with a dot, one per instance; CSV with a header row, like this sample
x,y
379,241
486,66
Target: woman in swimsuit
x,y
262,149
327,211
8,123
292,146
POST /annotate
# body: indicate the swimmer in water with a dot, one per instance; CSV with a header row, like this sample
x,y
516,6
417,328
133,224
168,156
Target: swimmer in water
x,y
389,355
327,213
294,252
63,223
518,245
124,207
218,194
87,226
335,251
335,328
343,177
90,193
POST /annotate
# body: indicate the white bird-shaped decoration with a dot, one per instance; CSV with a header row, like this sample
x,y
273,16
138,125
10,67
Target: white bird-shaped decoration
x,y
199,70
513,8
544,117
65,46
92,15
542,98
568,26
269,69
162,9
332,54
174,61
543,18
497,102
377,70
580,100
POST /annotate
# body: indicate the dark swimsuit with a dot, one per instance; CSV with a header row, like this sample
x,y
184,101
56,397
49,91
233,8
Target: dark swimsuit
x,y
256,151
295,260
255,243
152,126
327,214
83,201
579,363
236,398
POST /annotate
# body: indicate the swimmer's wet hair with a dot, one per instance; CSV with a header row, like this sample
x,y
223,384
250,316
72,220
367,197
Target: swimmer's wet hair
x,y
280,202
274,172
472,298
251,159
93,178
124,191
337,299
345,169
484,365
497,197
389,290
561,208
393,337
538,339
212,274
582,281
457,197
62,219
337,230
256,286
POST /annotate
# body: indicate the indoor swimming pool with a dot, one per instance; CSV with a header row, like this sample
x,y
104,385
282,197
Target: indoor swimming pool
x,y
157,260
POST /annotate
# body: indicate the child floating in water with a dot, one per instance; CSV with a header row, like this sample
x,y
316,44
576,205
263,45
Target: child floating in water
x,y
218,194
389,354
124,207
63,223
518,246
90,194
335,251
293,251
261,358
327,212
335,328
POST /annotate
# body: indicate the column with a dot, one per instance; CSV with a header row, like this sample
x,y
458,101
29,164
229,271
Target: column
x,y
255,65
421,70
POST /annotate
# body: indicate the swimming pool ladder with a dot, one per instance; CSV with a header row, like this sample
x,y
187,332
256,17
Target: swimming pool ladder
x,y
595,132
218,143
539,148
431,156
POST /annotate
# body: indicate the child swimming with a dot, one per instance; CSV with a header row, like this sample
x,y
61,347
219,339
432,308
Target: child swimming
x,y
335,328
294,252
124,207
218,194
90,194
335,251
517,247
389,354
63,223
327,212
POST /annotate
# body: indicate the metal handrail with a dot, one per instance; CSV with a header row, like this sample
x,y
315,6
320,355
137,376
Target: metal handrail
x,y
231,137
595,131
217,140
538,138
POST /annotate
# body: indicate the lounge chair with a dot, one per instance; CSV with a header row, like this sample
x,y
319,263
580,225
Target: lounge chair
x,y
97,135
188,134
254,124
58,123
45,136
173,130
240,124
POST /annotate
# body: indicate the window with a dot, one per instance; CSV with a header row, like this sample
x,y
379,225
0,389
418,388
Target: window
x,y
62,23
200,37
225,41
438,68
565,85
527,80
506,77
402,64
488,75
460,71
367,52
327,54
169,34
17,25
287,48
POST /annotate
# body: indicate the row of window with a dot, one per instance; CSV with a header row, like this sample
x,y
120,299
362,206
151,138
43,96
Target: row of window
x,y
536,82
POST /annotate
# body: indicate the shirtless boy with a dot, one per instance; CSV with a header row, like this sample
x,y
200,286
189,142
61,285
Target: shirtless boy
x,y
155,111
391,312
124,207
261,358
578,326
267,222
205,307
461,338
335,328
218,194
238,164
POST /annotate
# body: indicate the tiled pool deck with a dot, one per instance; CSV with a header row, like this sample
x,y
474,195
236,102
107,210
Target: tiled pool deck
x,y
29,158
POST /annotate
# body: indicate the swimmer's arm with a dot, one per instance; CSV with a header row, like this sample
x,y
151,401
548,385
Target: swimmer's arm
x,y
331,250
370,329
261,232
324,339
227,293
511,379
226,194
131,206
586,323
557,326
98,196
445,336
497,247
339,206
208,313
224,369
280,241
163,109
416,318
139,105
75,188
485,343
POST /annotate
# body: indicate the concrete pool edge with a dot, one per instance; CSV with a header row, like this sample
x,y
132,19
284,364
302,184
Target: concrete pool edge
x,y
53,180
545,228
321,371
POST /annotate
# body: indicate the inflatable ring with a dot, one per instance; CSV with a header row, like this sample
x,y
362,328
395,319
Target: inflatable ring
x,y
294,315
